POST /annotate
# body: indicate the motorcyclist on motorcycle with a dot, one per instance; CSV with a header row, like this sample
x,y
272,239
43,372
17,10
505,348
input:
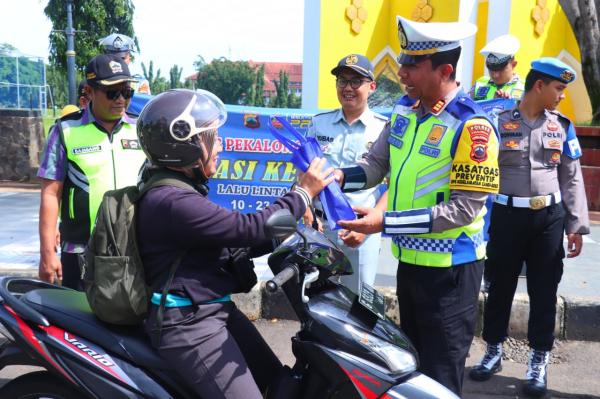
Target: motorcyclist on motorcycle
x,y
204,336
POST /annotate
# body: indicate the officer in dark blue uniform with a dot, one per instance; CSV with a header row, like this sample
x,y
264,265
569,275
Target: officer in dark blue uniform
x,y
541,197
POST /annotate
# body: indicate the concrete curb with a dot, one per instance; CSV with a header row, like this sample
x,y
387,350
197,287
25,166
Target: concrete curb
x,y
577,318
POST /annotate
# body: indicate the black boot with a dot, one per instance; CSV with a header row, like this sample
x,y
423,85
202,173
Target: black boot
x,y
537,373
490,364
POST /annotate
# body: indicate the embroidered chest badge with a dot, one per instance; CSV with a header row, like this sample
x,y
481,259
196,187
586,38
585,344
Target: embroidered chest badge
x,y
480,135
511,125
482,91
512,144
552,126
436,134
130,144
555,157
400,125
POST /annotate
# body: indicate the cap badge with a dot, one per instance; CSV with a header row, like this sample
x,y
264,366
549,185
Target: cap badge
x,y
566,75
115,67
402,36
351,59
118,43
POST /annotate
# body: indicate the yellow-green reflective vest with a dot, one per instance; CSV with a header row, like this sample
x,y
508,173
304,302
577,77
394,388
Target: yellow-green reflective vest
x,y
485,89
420,164
95,165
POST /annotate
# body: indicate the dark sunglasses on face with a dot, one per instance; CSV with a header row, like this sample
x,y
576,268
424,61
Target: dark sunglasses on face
x,y
354,83
127,93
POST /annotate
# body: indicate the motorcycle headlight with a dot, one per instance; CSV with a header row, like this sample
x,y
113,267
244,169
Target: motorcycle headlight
x,y
398,360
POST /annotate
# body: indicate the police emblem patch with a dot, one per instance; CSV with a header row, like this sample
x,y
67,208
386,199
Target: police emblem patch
x,y
400,125
480,135
555,157
482,91
436,134
552,126
130,144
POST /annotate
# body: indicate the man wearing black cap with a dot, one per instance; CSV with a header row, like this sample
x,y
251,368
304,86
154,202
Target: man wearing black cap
x,y
345,134
541,198
87,153
441,155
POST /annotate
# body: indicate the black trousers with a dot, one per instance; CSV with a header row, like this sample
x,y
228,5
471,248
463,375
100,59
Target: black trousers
x,y
536,237
438,312
71,271
216,350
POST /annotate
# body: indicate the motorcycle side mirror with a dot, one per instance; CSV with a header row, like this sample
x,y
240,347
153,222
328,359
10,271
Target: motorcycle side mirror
x,y
282,224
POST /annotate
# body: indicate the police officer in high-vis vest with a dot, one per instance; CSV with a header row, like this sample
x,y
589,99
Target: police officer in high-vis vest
x,y
441,153
122,45
87,153
500,61
541,198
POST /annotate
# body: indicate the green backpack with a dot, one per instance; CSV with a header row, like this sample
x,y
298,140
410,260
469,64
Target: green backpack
x,y
112,268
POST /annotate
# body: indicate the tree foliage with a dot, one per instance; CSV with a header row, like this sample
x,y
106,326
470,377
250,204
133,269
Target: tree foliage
x,y
284,97
584,17
158,84
98,18
386,93
175,77
231,81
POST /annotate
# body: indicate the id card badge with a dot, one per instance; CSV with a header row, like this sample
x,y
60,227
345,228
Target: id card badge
x,y
371,299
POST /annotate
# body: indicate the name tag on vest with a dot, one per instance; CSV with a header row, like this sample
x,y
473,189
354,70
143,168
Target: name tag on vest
x,y
430,152
395,141
87,150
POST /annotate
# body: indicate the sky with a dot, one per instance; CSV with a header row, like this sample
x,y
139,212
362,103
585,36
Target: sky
x,y
177,31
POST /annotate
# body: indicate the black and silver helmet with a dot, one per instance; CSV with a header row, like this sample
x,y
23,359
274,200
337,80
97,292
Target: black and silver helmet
x,y
170,123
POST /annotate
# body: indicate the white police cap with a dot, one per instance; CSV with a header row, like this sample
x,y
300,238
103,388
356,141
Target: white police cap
x,y
425,39
117,43
500,50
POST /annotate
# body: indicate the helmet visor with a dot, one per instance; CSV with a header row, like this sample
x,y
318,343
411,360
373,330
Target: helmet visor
x,y
204,112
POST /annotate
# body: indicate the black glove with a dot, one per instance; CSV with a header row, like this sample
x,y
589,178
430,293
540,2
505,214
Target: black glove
x,y
241,268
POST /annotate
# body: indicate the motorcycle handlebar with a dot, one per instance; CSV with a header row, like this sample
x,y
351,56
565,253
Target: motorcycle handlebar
x,y
281,278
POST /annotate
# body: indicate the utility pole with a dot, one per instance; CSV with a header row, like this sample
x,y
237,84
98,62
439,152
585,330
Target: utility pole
x,y
70,32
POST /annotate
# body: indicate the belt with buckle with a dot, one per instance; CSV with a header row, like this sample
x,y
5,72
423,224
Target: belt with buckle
x,y
535,203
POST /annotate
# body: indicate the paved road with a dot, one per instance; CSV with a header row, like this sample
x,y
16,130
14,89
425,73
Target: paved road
x,y
577,377
19,246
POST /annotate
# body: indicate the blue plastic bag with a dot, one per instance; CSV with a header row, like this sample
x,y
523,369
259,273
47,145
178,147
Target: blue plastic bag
x,y
304,150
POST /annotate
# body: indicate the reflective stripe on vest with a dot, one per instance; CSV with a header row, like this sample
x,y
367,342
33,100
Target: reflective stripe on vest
x,y
95,165
485,89
419,178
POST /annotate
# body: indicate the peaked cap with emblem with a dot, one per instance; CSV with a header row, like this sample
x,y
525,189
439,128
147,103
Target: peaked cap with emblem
x,y
554,68
117,43
107,70
419,39
358,63
499,51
